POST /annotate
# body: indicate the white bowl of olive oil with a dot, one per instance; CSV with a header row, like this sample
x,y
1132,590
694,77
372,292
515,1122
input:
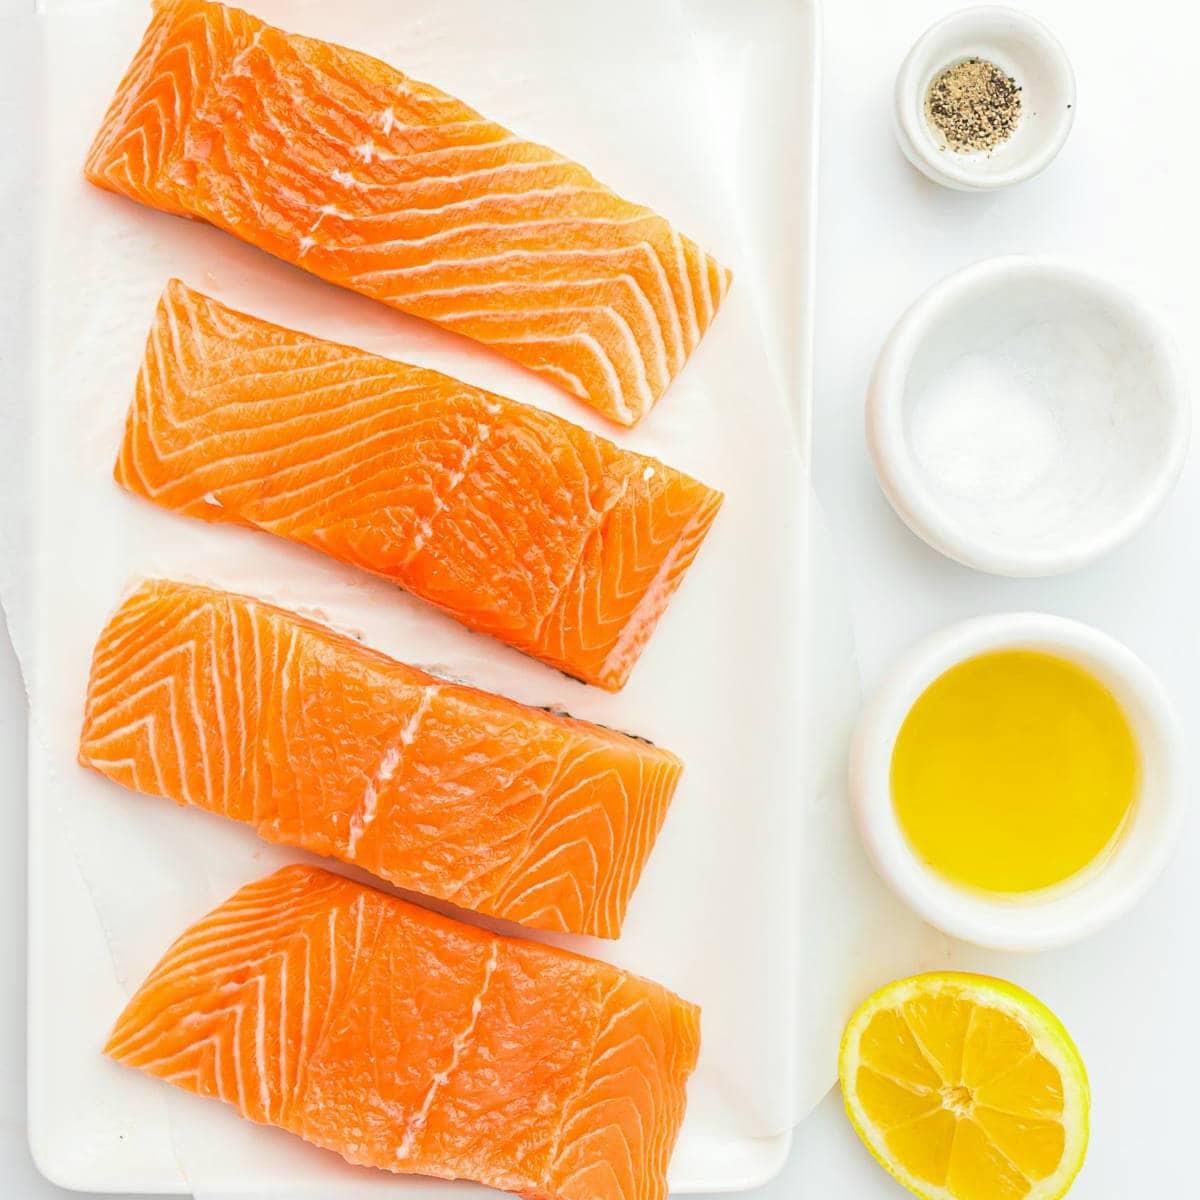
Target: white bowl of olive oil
x,y
984,99
1015,780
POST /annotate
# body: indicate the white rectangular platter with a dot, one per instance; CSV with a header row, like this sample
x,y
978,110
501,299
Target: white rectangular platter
x,y
707,112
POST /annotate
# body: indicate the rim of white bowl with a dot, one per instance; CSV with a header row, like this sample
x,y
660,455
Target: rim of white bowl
x,y
903,482
918,142
1094,898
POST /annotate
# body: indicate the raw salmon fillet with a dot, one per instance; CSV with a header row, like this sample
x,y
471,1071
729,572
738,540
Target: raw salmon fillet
x,y
515,522
247,710
340,164
404,1040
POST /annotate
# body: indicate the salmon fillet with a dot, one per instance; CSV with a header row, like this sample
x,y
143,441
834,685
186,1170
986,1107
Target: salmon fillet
x,y
404,1040
244,709
338,163
519,524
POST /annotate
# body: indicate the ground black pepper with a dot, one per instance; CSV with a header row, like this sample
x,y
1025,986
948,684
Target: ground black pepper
x,y
973,105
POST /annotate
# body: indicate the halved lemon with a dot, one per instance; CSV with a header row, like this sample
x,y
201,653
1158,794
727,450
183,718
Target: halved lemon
x,y
966,1088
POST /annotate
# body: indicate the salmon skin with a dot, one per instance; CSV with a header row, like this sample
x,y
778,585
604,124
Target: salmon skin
x,y
250,711
515,522
338,163
404,1040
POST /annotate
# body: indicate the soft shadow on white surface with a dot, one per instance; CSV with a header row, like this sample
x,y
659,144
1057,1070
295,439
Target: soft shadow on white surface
x,y
19,1177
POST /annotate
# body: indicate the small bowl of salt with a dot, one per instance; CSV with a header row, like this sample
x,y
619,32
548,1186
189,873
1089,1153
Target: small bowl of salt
x,y
1026,417
984,99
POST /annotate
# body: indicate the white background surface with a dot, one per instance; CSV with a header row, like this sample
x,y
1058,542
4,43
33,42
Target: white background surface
x,y
1122,199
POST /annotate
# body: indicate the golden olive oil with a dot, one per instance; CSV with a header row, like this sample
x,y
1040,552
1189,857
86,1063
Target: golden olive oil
x,y
1013,771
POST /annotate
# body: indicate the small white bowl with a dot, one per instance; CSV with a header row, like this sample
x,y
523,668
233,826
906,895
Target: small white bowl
x,y
1025,417
1077,907
1025,50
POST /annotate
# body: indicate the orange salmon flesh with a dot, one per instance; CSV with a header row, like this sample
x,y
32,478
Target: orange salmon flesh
x,y
341,165
247,710
404,1040
515,522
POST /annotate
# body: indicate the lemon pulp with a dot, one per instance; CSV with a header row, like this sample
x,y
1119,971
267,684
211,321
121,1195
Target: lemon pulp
x,y
966,1088
1014,771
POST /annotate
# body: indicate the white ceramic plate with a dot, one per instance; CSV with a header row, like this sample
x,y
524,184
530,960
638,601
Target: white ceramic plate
x,y
114,877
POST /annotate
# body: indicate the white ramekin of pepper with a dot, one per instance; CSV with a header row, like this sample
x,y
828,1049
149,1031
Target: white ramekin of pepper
x,y
985,98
